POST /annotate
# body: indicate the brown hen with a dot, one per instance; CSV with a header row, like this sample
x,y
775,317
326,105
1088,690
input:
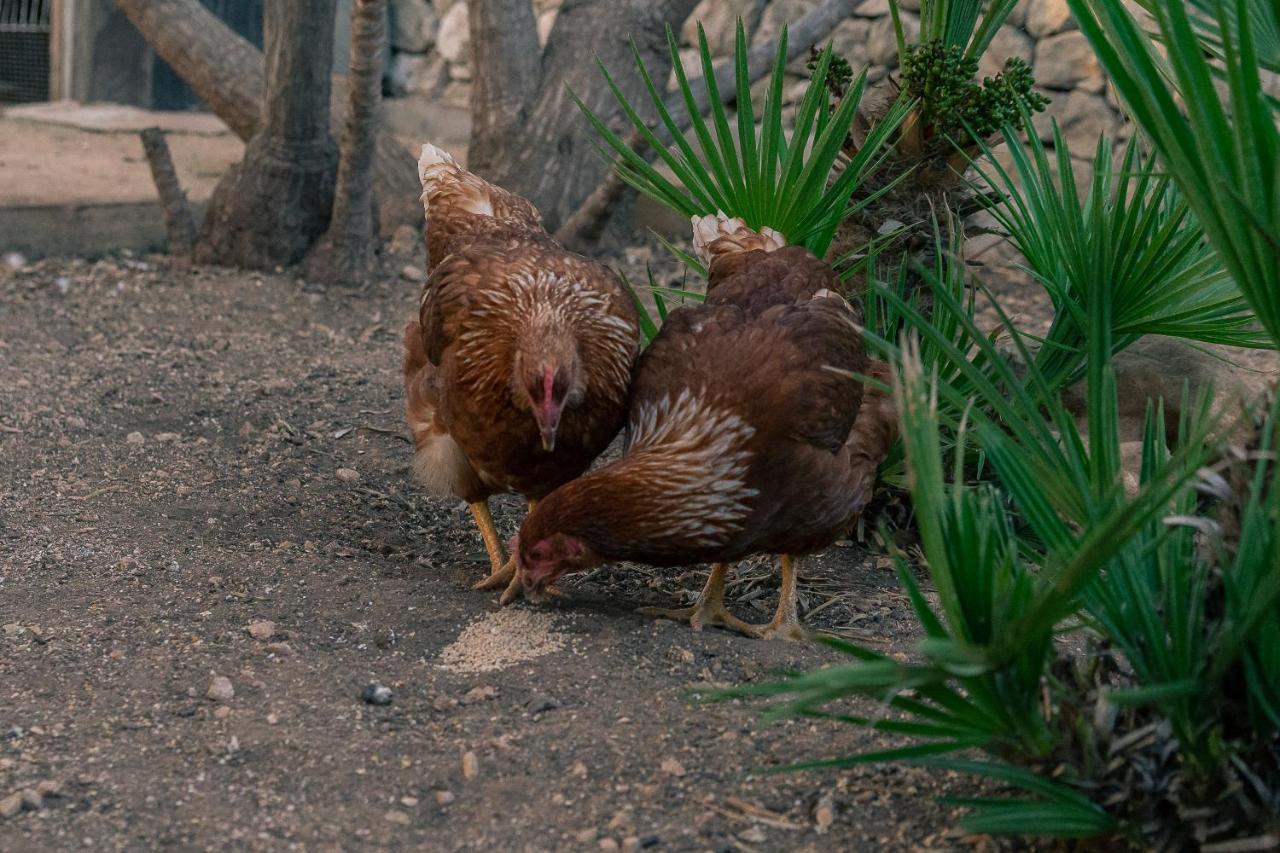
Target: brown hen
x,y
517,367
748,434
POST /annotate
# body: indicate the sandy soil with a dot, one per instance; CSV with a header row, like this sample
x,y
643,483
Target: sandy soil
x,y
170,447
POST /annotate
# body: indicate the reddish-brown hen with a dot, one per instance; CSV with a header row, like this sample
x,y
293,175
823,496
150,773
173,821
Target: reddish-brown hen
x,y
748,434
517,368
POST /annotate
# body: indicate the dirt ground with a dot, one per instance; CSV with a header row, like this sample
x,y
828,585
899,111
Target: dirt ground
x,y
188,453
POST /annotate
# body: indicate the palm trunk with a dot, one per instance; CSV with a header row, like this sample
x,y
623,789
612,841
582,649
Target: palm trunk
x,y
344,254
270,208
227,73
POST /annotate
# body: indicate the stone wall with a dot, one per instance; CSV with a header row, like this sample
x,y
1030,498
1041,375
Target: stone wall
x,y
431,51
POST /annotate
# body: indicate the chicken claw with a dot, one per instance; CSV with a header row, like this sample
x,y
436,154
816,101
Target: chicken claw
x,y
710,609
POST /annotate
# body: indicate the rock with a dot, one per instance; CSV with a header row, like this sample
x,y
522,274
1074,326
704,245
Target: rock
x,y
1008,42
882,43
483,693
412,273
49,788
752,835
459,72
167,437
878,8
1046,17
607,844
630,844
444,798
134,438
470,765
671,767
221,712
273,719
780,13
12,629
453,39
263,630
220,689
10,805
541,703
677,654
347,475
413,25
579,770
405,242
849,40
399,818
32,799
15,261
281,649
376,694
1082,118
719,19
1066,61
409,802
824,814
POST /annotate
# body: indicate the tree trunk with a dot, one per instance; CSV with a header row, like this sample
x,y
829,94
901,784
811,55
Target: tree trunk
x,y
227,73
344,253
270,208
527,133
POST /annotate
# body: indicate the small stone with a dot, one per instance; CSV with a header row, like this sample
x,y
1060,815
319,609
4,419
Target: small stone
x,y
630,844
347,475
134,438
281,649
1046,17
671,767
167,437
221,712
479,694
32,799
405,241
376,694
579,770
608,844
470,765
752,835
824,814
541,703
584,836
12,629
1067,61
409,802
49,788
620,820
10,805
397,817
261,630
220,689
680,655
272,719
443,798
411,273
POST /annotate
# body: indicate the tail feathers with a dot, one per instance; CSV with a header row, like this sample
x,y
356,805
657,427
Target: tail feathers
x,y
441,467
722,235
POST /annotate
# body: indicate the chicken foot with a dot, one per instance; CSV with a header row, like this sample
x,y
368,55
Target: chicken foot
x,y
710,609
505,575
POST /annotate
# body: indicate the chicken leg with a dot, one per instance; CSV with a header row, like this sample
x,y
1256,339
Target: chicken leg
x,y
710,609
504,574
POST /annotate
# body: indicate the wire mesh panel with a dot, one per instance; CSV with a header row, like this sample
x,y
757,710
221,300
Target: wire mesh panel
x,y
25,28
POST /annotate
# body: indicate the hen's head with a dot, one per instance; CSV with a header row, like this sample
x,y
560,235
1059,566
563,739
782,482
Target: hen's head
x,y
544,560
547,378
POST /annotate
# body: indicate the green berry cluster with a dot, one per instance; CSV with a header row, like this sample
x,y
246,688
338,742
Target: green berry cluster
x,y
941,78
839,72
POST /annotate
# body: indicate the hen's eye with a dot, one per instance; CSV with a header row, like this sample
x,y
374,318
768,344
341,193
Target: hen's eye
x,y
538,553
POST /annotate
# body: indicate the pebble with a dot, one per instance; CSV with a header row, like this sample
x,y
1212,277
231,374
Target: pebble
x,y
167,437
261,630
408,802
752,835
630,844
470,765
221,712
347,475
13,629
272,719
376,694
443,798
32,799
134,438
671,767
480,694
220,689
49,788
608,844
584,836
11,805
412,273
824,814
541,703
579,770
282,649
397,817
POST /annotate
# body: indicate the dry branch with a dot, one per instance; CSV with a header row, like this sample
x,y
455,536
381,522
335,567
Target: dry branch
x,y
178,224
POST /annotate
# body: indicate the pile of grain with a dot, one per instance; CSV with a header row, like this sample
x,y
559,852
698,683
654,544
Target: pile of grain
x,y
501,639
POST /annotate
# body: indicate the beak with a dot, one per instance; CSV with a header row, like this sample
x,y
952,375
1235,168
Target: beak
x,y
548,438
548,423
